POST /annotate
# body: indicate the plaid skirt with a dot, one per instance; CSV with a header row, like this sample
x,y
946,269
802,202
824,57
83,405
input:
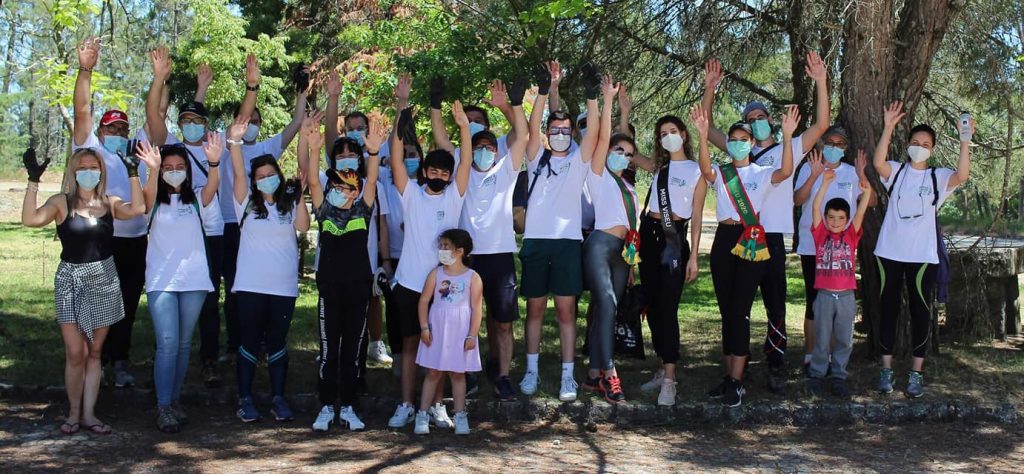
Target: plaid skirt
x,y
88,295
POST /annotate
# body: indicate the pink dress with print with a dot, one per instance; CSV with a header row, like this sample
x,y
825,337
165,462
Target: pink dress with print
x,y
450,316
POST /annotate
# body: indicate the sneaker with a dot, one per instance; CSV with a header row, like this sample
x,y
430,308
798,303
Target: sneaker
x,y
378,353
247,410
655,382
179,413
592,384
719,389
915,384
439,415
348,417
504,390
839,389
529,384
667,395
403,414
122,378
776,380
472,384
422,426
211,375
733,395
461,423
324,419
280,409
612,389
166,421
885,381
568,391
815,386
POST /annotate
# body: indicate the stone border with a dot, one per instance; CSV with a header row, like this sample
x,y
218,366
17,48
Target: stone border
x,y
590,413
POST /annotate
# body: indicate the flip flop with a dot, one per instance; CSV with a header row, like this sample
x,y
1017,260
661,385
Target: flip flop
x,y
69,428
100,429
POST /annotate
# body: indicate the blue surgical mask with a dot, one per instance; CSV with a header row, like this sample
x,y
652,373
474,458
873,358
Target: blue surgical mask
x,y
251,133
483,158
617,161
833,154
412,165
269,184
357,136
193,132
475,128
761,129
739,149
116,144
346,164
87,179
336,198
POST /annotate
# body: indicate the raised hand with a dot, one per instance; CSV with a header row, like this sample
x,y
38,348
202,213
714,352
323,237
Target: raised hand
x,y
790,120
213,147
333,83
161,62
436,92
516,92
499,95
377,132
252,70
555,69
542,74
403,87
814,160
460,115
712,74
816,67
860,163
893,114
311,131
699,118
89,53
625,101
34,168
609,87
149,154
204,76
238,127
301,79
591,81
131,158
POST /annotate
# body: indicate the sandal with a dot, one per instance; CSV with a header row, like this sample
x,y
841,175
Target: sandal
x,y
100,429
69,428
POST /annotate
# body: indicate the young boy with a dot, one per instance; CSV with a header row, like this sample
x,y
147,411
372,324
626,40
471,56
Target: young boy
x,y
835,306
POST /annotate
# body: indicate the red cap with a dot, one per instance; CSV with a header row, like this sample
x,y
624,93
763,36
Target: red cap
x,y
113,116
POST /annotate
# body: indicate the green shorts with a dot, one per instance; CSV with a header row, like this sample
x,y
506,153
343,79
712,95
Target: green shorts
x,y
551,266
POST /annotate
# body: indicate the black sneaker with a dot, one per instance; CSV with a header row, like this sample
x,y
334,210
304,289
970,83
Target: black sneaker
x,y
211,375
592,383
719,389
492,369
612,389
815,386
503,389
776,380
733,394
472,384
839,389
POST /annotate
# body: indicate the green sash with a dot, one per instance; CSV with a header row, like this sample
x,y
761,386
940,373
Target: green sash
x,y
752,244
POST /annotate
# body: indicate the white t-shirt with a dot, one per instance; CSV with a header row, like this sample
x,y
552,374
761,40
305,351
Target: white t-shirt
x,y
118,185
396,227
778,204
372,239
846,186
908,231
757,181
426,217
213,220
683,176
555,210
609,208
176,253
270,146
487,213
268,253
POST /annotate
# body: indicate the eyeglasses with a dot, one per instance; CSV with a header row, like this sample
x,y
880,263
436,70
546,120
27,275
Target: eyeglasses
x,y
193,121
560,131
913,208
117,129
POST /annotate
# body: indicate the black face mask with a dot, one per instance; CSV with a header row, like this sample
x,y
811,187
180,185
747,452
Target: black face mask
x,y
437,184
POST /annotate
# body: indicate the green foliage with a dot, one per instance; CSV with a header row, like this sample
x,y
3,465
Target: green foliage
x,y
71,14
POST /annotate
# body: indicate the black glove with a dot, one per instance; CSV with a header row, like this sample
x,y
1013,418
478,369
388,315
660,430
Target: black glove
x,y
406,127
543,77
516,91
436,92
591,81
131,159
34,168
301,78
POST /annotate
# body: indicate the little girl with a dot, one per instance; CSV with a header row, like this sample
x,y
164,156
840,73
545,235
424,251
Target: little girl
x,y
448,334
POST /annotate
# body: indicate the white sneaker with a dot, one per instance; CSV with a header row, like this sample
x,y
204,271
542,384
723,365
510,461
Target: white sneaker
x,y
529,384
461,423
568,391
667,396
402,415
422,423
439,414
654,383
378,353
324,419
348,417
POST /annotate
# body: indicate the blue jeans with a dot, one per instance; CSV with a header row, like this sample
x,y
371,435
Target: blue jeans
x,y
174,318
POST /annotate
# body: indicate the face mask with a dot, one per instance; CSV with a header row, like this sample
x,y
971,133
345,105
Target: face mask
x,y
357,136
437,184
269,184
116,144
193,132
918,154
833,154
412,165
175,177
483,158
672,142
617,161
738,149
346,164
475,128
445,257
761,129
87,179
336,198
251,132
559,143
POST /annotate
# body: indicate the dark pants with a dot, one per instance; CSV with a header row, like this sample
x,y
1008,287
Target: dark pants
x,y
130,261
343,336
391,314
662,287
773,293
735,281
230,263
605,273
266,321
920,282
807,264
209,318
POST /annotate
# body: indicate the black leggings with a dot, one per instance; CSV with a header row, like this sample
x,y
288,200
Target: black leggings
x,y
662,287
343,335
807,264
920,283
735,281
130,262
265,321
773,293
209,317
229,265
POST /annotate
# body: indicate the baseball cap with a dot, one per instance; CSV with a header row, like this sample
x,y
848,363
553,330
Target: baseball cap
x,y
193,107
113,116
755,105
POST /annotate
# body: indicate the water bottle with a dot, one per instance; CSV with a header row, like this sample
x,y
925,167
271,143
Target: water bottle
x,y
965,127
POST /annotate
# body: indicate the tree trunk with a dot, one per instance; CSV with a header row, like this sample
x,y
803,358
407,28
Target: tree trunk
x,y
9,58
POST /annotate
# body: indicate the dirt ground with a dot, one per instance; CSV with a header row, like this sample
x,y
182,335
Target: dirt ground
x,y
218,442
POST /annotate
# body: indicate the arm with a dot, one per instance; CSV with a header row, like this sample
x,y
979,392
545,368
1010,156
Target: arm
x,y
625,109
893,114
803,193
235,132
311,141
591,88
789,123
204,77
816,70
137,206
466,150
150,155
88,54
700,121
963,165
301,222
375,136
501,101
154,119
604,127
55,208
441,139
554,102
252,82
520,135
860,163
696,219
214,149
544,78
331,115
712,78
476,289
298,114
819,197
862,206
424,307
399,173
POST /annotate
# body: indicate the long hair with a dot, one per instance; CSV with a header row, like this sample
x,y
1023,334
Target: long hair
x,y
661,155
69,187
285,197
163,190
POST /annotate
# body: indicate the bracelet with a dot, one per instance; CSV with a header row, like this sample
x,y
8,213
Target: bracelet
x,y
373,153
86,69
234,142
470,337
252,88
214,164
34,187
425,328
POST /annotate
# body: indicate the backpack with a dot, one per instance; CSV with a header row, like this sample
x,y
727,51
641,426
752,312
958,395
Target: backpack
x,y
943,276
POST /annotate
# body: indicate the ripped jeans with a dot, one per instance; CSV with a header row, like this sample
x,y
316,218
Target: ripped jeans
x,y
174,314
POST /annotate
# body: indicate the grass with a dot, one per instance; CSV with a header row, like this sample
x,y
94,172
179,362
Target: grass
x,y
31,351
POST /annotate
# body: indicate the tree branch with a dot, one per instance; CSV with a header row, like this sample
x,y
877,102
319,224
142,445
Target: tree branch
x,y
759,14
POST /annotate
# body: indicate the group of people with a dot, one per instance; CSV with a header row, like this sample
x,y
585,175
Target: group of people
x,y
433,235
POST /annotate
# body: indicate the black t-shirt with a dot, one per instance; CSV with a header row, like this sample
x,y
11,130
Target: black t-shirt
x,y
343,240
86,239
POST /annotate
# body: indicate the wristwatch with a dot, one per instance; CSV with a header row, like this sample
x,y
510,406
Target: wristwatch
x,y
252,88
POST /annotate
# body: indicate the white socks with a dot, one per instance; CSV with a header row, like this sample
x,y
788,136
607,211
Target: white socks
x,y
531,362
567,369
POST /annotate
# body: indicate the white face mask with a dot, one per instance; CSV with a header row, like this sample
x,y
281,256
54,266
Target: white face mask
x,y
445,257
559,142
672,142
918,154
175,177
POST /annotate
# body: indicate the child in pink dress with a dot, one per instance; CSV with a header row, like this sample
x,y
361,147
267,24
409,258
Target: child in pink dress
x,y
448,329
